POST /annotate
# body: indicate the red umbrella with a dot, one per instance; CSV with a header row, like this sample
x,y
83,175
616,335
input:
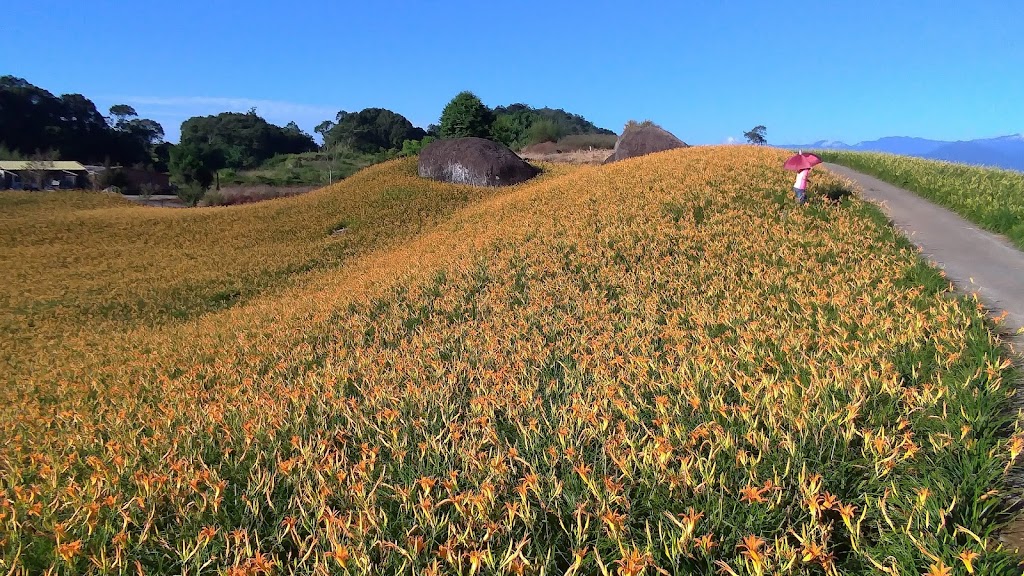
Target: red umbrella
x,y
802,161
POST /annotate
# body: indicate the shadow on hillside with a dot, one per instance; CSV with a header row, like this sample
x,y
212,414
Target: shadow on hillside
x,y
834,192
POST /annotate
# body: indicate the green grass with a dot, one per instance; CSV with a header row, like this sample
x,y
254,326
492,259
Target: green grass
x,y
307,169
990,198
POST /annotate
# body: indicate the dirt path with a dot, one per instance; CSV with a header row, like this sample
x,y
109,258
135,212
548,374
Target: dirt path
x,y
973,259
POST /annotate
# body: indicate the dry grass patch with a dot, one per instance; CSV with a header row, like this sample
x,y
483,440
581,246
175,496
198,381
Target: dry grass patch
x,y
596,156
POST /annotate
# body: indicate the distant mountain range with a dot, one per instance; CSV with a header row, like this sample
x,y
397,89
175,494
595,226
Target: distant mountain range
x,y
1002,152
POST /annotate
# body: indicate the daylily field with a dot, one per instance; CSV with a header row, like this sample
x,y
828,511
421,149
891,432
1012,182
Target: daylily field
x,y
660,366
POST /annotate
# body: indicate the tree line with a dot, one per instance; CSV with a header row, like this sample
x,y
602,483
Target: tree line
x,y
375,130
35,123
243,141
516,125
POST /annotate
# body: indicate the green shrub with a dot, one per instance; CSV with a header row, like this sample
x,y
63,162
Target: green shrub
x,y
543,130
214,198
510,129
643,124
191,193
413,147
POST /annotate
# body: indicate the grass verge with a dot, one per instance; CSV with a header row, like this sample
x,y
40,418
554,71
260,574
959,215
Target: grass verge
x,y
988,197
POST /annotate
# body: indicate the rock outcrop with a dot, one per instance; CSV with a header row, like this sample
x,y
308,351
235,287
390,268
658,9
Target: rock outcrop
x,y
473,161
643,138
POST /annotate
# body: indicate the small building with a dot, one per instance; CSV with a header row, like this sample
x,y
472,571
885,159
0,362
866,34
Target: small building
x,y
42,175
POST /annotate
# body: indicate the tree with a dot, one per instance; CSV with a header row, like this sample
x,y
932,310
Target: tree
x,y
120,113
33,119
371,130
82,128
30,117
756,135
511,129
543,130
191,171
162,156
518,125
466,116
147,131
244,140
567,124
134,139
413,147
323,129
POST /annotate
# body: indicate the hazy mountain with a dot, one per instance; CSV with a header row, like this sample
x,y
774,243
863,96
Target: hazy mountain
x,y
973,153
1011,146
1002,152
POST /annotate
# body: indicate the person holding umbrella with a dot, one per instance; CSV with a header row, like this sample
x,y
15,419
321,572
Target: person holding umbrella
x,y
801,163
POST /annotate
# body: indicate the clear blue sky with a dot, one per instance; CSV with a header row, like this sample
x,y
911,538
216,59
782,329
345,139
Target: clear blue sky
x,y
707,70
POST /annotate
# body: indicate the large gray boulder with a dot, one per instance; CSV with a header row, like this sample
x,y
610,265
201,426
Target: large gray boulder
x,y
643,138
473,161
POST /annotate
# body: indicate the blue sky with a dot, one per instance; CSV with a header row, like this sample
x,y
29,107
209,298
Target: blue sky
x,y
847,70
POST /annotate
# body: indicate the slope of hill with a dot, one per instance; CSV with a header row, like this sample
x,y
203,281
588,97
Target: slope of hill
x,y
142,269
607,368
1002,152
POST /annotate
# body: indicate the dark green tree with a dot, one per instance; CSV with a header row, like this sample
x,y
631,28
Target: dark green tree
x,y
371,130
145,130
191,171
134,138
756,135
244,140
567,124
511,129
33,120
120,114
466,116
323,129
518,125
162,156
83,129
30,117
